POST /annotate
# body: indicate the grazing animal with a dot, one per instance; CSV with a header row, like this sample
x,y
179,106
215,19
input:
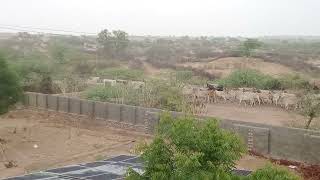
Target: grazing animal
x,y
221,95
211,96
232,94
199,103
276,97
289,101
265,96
248,97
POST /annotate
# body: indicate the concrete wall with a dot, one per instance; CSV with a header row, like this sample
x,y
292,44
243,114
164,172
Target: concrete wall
x,y
75,106
277,142
101,110
42,101
52,102
63,104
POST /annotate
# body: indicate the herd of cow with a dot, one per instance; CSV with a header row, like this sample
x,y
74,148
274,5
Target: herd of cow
x,y
199,97
247,96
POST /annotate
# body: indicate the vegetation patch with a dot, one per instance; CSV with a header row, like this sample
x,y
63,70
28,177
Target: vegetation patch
x,y
154,94
294,81
250,78
273,173
10,90
186,148
256,79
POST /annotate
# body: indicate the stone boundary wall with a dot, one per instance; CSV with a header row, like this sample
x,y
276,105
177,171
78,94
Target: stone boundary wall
x,y
277,142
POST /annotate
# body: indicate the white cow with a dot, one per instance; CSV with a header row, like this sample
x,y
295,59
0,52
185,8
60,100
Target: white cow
x,y
248,97
289,101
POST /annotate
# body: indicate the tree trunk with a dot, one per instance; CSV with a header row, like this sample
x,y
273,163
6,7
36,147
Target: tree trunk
x,y
308,123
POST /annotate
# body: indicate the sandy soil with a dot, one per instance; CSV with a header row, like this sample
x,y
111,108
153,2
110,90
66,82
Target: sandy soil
x,y
225,66
38,140
150,70
154,72
260,114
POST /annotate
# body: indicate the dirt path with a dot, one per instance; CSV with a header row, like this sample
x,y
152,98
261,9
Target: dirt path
x,y
258,114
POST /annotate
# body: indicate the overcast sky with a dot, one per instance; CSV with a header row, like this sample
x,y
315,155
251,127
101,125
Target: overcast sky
x,y
168,17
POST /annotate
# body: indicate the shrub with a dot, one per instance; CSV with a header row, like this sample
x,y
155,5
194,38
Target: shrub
x,y
185,148
117,94
83,68
10,90
30,71
273,173
294,81
183,75
46,85
250,78
310,107
165,95
121,73
155,94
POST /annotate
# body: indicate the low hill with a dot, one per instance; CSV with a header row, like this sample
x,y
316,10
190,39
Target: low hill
x,y
224,66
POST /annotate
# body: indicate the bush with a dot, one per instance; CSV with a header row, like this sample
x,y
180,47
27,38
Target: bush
x,y
121,73
30,71
294,82
10,90
116,94
155,94
310,107
273,173
83,68
250,78
184,75
164,95
185,148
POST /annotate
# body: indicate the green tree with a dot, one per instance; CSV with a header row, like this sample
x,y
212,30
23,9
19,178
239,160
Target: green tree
x,y
10,90
185,148
105,41
249,46
113,43
310,107
121,41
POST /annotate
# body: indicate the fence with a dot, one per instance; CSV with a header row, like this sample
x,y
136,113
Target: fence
x,y
277,142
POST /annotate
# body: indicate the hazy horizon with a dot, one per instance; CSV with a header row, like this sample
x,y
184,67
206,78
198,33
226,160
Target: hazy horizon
x,y
245,18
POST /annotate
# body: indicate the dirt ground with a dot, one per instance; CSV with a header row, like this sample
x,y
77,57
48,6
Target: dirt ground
x,y
225,66
259,114
41,140
37,140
